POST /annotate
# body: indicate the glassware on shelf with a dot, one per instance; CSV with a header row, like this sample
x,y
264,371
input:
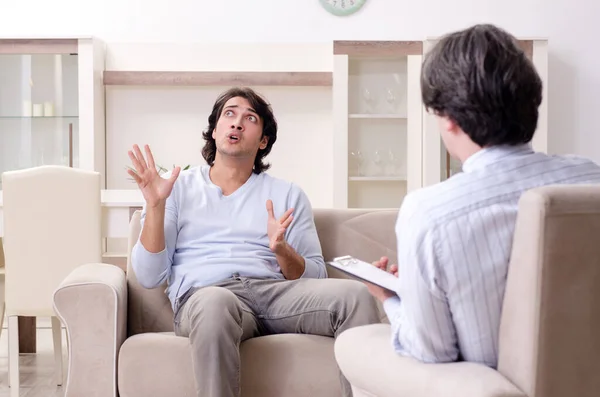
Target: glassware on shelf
x,y
392,168
370,100
352,164
390,97
378,162
356,163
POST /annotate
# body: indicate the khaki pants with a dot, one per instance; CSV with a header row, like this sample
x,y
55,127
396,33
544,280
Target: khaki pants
x,y
218,318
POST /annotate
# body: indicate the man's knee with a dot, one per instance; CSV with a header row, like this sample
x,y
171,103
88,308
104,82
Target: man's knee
x,y
356,303
214,308
358,294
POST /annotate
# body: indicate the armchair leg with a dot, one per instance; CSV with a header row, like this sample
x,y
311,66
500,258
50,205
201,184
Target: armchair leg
x,y
2,308
13,355
2,303
58,356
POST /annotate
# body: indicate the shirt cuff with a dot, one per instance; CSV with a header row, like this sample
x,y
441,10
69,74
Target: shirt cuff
x,y
311,269
149,266
392,306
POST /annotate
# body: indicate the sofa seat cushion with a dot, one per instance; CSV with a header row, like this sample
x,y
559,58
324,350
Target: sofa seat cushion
x,y
160,365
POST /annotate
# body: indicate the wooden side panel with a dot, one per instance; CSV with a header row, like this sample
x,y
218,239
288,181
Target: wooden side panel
x,y
377,48
340,131
158,78
527,46
414,124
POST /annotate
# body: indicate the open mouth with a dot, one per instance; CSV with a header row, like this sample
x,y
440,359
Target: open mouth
x,y
233,138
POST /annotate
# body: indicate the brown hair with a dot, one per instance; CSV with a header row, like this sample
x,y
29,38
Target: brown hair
x,y
264,111
482,80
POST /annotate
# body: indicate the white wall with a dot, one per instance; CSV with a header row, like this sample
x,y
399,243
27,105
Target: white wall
x,y
171,121
571,27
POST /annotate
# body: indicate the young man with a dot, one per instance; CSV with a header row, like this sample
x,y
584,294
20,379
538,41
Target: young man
x,y
455,238
238,248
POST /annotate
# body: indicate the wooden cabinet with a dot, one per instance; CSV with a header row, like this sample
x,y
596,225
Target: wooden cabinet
x,y
385,144
51,103
377,121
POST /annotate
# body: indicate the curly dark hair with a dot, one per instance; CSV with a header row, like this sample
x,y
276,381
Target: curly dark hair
x,y
264,111
482,80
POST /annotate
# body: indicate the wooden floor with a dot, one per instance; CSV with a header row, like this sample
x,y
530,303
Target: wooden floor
x,y
37,370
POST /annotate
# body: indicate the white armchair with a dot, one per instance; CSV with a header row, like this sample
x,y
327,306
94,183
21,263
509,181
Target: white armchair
x,y
52,224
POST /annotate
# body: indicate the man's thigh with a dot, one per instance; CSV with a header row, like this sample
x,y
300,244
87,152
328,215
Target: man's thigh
x,y
312,306
215,309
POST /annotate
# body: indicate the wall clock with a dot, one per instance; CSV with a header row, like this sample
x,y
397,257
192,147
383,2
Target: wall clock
x,y
342,7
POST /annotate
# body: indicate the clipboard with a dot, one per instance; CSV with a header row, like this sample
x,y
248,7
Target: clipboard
x,y
366,272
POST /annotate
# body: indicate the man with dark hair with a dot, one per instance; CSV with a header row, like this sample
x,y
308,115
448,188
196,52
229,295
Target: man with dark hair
x,y
238,248
455,238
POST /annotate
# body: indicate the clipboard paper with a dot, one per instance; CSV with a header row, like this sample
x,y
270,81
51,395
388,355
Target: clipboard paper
x,y
366,271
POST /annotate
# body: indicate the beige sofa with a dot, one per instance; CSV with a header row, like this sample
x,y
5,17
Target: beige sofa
x,y
121,335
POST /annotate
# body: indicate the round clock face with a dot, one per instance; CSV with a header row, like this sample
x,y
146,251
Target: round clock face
x,y
342,7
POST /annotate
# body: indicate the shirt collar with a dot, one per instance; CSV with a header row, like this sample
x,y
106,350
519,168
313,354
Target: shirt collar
x,y
492,154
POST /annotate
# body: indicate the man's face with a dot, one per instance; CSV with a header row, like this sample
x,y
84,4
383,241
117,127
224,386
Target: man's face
x,y
238,132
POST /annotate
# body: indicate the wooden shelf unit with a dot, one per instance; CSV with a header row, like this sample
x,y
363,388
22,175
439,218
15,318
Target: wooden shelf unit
x,y
377,115
59,72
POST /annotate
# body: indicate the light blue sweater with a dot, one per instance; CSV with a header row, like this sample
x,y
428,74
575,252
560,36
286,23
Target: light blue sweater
x,y
209,236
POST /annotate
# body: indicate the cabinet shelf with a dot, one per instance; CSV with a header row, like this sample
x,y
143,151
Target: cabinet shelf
x,y
377,178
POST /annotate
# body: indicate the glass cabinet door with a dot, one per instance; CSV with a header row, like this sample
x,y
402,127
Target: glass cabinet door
x,y
378,112
377,132
39,109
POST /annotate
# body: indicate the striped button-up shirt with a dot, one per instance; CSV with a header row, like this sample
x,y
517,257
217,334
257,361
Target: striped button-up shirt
x,y
454,245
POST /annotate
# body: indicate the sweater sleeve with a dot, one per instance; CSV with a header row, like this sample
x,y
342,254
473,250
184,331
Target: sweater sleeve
x,y
302,235
152,269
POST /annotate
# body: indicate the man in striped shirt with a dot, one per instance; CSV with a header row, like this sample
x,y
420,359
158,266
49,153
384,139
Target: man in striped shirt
x,y
455,238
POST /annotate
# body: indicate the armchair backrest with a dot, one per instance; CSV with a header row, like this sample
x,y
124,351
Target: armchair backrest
x,y
366,234
52,224
550,327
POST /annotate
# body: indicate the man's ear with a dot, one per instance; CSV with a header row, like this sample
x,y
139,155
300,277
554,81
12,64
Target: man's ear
x,y
213,134
447,124
263,142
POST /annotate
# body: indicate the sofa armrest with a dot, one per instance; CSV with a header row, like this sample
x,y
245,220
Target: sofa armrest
x,y
367,359
92,304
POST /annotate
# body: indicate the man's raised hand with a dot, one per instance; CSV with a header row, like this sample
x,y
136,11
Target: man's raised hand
x,y
276,227
155,189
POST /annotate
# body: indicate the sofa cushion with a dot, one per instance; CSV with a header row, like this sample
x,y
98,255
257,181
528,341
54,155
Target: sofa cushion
x,y
160,365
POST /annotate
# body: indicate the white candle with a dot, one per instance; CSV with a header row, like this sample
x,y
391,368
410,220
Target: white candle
x,y
38,110
48,109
